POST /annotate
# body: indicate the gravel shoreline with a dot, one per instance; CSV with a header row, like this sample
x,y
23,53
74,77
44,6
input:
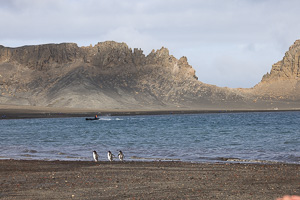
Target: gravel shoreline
x,y
28,112
36,179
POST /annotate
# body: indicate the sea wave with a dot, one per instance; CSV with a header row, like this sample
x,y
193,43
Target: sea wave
x,y
29,151
108,119
239,160
144,158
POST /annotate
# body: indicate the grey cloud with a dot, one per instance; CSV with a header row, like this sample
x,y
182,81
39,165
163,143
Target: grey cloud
x,y
253,33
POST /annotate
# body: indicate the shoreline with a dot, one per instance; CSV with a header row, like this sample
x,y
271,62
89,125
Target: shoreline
x,y
220,160
35,179
115,161
23,112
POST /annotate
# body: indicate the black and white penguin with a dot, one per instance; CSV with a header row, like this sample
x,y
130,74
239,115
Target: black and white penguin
x,y
95,156
110,156
121,155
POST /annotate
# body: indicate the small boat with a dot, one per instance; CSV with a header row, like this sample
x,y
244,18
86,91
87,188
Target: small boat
x,y
93,118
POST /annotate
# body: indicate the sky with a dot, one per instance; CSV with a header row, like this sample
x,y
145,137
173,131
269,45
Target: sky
x,y
230,43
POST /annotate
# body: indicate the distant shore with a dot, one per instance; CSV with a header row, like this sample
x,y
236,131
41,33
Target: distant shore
x,y
23,112
35,179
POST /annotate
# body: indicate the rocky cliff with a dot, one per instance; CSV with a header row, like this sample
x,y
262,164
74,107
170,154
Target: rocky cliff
x,y
288,68
111,75
282,83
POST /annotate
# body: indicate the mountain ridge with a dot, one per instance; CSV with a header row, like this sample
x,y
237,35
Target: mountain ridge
x,y
110,75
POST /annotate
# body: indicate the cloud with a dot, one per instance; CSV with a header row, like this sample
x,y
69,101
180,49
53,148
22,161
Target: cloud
x,y
245,36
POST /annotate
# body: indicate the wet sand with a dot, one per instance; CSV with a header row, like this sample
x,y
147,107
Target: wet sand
x,y
24,179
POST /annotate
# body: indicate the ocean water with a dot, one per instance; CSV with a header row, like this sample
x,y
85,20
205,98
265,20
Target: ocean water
x,y
264,137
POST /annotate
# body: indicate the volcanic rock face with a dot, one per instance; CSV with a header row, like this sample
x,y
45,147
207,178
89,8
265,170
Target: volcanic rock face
x,y
288,68
110,75
282,83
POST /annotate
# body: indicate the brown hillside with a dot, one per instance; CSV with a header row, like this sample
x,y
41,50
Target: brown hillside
x,y
110,75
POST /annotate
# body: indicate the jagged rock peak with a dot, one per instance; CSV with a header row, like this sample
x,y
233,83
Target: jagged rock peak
x,y
295,45
288,67
163,53
112,45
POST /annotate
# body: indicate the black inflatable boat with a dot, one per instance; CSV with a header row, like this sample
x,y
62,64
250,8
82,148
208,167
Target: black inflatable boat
x,y
93,118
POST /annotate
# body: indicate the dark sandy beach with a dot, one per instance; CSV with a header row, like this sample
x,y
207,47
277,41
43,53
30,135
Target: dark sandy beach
x,y
21,179
24,112
27,112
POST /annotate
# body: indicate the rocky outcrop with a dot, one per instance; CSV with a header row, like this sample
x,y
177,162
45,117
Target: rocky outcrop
x,y
282,83
41,57
288,68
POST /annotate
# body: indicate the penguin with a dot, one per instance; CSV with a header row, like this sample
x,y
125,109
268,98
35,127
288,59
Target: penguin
x,y
121,155
95,156
110,156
